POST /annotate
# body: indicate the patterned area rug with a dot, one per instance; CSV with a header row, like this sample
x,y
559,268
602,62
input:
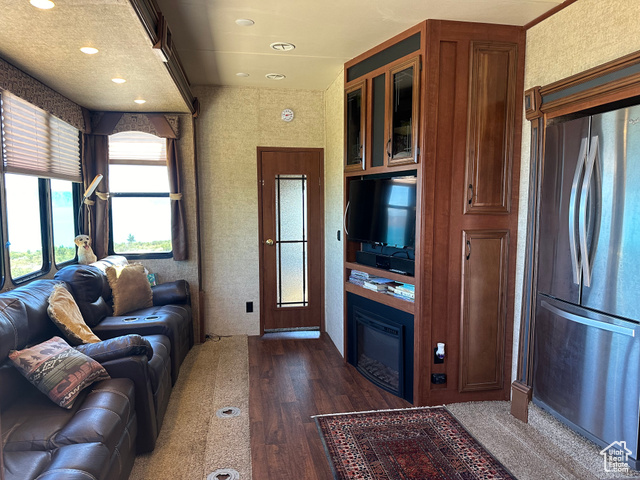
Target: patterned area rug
x,y
410,444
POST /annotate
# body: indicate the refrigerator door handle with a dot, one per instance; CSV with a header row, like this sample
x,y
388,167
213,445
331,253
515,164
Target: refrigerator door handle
x,y
609,327
576,266
582,222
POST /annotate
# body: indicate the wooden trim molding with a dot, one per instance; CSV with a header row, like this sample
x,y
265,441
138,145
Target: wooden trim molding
x,y
532,103
527,316
159,33
520,398
548,14
616,80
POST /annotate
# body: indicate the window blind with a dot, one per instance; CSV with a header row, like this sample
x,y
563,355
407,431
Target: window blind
x,y
37,143
137,148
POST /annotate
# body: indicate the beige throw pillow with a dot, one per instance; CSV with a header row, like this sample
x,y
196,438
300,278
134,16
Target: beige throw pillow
x,y
130,288
64,312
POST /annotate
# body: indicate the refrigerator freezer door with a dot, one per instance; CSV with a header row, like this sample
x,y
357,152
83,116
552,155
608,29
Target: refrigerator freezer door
x,y
559,260
587,371
613,226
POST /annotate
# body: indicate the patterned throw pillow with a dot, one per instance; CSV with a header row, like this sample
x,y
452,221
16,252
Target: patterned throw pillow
x,y
57,370
130,288
64,312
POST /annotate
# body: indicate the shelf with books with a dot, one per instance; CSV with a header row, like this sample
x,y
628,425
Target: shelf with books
x,y
383,298
382,289
396,277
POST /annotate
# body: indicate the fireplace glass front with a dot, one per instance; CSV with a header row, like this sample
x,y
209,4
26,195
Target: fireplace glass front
x,y
379,351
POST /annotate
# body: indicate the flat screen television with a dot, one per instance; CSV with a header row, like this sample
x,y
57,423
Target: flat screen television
x,y
382,211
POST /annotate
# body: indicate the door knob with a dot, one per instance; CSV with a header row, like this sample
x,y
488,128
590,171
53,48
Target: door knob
x,y
269,242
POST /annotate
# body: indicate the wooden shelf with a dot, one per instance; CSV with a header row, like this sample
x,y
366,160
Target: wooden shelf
x,y
383,169
383,298
396,277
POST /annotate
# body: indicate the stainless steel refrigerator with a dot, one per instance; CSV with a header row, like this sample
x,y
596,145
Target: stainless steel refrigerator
x,y
587,345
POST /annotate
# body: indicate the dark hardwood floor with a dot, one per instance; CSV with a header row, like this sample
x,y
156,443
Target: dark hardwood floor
x,y
292,378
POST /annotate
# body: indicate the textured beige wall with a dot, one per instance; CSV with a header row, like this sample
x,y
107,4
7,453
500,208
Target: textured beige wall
x,y
585,34
169,270
333,204
233,122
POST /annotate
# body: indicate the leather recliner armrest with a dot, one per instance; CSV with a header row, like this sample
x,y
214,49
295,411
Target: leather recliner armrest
x,y
118,347
136,368
171,293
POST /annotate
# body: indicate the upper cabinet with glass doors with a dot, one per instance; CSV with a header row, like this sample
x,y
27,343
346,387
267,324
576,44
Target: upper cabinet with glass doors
x,y
382,117
403,95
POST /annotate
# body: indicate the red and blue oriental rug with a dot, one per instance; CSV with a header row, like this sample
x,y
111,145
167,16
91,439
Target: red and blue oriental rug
x,y
409,444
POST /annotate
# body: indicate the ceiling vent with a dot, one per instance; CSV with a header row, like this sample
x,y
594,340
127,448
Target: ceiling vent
x,y
282,46
275,76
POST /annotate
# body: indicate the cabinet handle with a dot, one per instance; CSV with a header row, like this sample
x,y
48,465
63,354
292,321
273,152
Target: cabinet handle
x,y
470,194
468,249
388,151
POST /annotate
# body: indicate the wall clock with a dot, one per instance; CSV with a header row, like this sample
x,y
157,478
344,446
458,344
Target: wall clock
x,y
287,115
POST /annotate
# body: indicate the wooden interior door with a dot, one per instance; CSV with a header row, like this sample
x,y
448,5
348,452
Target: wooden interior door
x,y
291,238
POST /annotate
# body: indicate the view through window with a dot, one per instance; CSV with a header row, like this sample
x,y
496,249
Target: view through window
x,y
63,218
24,228
139,192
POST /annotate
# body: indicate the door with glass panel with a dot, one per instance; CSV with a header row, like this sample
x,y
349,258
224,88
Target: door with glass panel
x,y
291,238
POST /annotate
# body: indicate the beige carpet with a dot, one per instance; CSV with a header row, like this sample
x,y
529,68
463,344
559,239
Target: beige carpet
x,y
193,441
540,450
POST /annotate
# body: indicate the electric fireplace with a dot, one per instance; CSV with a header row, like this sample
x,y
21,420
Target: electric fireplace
x,y
380,344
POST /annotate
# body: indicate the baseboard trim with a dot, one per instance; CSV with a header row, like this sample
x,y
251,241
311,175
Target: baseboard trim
x,y
520,397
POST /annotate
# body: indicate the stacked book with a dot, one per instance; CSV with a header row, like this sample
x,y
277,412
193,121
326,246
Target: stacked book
x,y
378,284
358,278
404,291
368,281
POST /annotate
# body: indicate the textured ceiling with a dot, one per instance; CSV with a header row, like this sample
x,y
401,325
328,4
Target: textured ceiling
x,y
326,33
212,48
46,45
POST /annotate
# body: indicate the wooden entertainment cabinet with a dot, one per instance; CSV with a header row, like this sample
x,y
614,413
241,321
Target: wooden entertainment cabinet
x,y
443,100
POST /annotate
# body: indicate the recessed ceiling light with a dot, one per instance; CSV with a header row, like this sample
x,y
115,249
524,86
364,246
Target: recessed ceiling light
x,y
275,76
242,74
118,80
140,101
89,50
42,4
245,22
282,46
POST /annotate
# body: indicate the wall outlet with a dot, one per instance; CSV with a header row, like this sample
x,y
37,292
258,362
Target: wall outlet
x,y
249,307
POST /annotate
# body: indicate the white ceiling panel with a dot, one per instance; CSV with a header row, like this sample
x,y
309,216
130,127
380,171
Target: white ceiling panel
x,y
325,34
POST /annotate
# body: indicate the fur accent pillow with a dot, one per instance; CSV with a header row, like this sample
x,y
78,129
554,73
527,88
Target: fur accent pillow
x,y
130,288
64,312
57,370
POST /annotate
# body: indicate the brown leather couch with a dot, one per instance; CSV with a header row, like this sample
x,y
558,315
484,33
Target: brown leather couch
x,y
40,438
94,439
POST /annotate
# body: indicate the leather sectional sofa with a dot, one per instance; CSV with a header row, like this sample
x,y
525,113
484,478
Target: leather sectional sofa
x,y
111,420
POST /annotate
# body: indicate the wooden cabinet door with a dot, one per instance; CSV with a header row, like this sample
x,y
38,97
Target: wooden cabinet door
x,y
485,255
490,127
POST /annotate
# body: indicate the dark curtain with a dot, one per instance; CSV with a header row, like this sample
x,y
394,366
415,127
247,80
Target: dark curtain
x,y
95,160
178,222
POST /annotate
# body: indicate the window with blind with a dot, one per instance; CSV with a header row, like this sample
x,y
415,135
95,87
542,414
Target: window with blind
x,y
139,195
41,174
